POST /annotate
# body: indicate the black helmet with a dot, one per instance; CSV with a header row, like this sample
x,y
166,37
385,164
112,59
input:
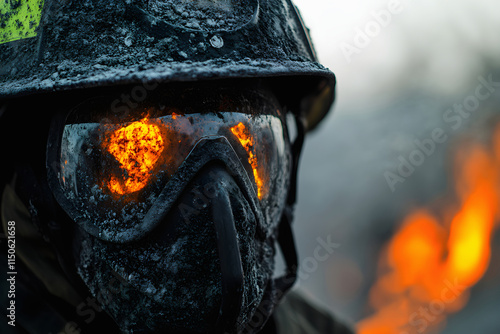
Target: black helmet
x,y
49,45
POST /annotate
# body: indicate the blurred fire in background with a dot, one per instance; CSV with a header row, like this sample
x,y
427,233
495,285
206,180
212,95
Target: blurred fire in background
x,y
420,255
435,257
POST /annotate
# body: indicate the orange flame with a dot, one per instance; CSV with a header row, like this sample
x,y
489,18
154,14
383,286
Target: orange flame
x,y
137,148
430,264
246,140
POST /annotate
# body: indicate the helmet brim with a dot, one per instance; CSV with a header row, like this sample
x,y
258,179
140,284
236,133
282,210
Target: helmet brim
x,y
297,77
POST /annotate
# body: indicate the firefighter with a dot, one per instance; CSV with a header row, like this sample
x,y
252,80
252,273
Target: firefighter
x,y
151,165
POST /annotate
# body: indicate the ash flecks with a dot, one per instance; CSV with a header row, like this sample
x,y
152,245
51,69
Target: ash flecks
x,y
204,15
164,286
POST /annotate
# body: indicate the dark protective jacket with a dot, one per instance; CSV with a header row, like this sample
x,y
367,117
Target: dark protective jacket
x,y
46,302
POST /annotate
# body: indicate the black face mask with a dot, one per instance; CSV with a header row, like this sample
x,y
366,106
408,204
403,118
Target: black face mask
x,y
177,276
180,202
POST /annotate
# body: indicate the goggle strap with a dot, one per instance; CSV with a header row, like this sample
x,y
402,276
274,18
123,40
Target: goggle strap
x,y
296,150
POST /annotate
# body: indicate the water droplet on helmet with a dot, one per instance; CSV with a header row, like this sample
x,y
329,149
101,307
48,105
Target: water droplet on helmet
x,y
128,41
217,42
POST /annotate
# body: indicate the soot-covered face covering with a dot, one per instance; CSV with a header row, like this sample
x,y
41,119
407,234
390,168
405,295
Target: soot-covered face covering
x,y
177,201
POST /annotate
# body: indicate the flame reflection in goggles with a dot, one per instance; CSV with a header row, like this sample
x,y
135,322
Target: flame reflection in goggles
x,y
247,141
137,147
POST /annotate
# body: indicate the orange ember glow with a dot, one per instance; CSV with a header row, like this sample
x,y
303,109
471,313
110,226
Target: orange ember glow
x,y
137,148
246,140
428,267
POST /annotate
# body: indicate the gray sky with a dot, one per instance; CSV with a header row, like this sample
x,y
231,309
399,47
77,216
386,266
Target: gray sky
x,y
440,43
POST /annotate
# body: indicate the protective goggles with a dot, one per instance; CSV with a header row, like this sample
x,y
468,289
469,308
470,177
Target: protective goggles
x,y
118,173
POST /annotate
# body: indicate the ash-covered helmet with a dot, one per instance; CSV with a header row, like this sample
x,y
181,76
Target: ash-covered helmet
x,y
48,45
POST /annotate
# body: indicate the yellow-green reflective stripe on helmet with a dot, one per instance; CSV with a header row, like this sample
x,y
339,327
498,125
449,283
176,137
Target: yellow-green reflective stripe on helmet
x,y
19,19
